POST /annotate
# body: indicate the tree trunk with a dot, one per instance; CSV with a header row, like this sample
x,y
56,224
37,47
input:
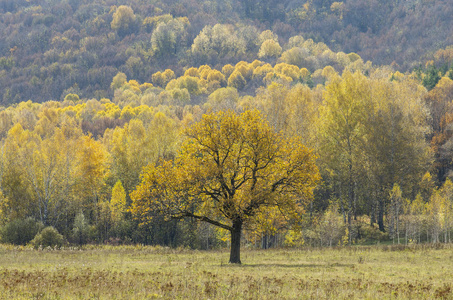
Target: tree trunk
x,y
381,215
350,200
235,253
398,228
264,241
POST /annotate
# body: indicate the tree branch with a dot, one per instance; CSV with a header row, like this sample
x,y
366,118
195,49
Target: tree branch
x,y
204,219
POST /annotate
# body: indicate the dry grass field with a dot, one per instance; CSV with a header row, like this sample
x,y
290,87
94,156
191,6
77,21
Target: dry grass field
x,y
375,272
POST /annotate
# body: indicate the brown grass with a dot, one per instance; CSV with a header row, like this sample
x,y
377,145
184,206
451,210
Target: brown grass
x,y
379,272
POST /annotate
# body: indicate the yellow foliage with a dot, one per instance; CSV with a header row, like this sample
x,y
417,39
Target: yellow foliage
x,y
267,35
231,167
168,74
260,72
204,69
162,78
398,76
133,85
293,238
304,72
329,72
222,99
192,84
227,70
236,80
276,77
118,81
353,56
127,113
296,41
245,70
256,63
123,18
270,48
215,75
204,72
145,86
291,71
247,103
4,209
152,22
192,72
72,97
118,201
158,79
337,8
92,166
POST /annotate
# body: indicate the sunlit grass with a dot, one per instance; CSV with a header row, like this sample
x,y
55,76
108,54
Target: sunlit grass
x,y
378,272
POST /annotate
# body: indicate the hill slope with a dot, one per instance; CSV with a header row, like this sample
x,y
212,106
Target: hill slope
x,y
51,48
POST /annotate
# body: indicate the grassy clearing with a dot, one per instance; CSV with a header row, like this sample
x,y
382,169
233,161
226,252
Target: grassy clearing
x,y
379,272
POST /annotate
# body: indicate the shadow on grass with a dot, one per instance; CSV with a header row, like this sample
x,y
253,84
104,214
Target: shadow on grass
x,y
326,266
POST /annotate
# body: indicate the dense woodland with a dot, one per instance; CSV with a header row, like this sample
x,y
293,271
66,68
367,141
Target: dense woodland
x,y
50,48
96,92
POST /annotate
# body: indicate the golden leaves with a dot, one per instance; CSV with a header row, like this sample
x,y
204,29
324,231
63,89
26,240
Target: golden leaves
x,y
230,167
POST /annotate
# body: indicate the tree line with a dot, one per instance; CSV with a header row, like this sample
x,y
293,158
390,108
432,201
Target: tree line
x,y
380,137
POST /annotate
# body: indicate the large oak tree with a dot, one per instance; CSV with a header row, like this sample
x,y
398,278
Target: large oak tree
x,y
230,170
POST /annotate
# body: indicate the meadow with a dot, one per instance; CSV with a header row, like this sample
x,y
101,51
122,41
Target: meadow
x,y
141,272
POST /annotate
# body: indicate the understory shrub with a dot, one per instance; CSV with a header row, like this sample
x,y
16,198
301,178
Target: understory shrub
x,y
20,231
371,233
48,237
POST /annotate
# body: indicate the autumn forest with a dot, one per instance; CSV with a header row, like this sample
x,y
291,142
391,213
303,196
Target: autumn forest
x,y
219,123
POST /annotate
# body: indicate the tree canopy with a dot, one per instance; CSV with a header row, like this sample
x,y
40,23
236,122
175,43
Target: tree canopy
x,y
230,170
53,48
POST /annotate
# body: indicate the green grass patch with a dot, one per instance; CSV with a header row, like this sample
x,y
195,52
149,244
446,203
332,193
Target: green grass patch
x,y
373,272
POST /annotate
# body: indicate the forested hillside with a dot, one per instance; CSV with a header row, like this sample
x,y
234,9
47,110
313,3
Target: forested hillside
x,y
110,109
51,48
